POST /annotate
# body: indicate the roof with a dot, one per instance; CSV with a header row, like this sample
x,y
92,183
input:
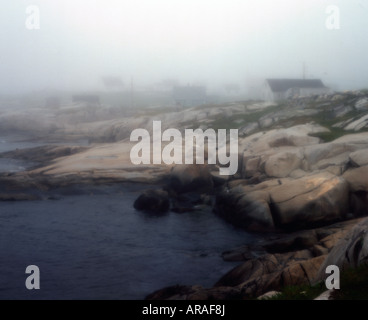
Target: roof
x,y
189,92
281,85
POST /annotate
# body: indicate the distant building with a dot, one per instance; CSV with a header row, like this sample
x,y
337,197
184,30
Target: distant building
x,y
281,89
88,98
189,96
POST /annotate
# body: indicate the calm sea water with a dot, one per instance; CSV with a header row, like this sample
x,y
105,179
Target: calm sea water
x,y
13,142
90,243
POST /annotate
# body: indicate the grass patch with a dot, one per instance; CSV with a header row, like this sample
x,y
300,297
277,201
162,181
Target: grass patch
x,y
353,284
301,292
334,134
248,117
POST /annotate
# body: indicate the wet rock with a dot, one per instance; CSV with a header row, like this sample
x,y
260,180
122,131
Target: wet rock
x,y
249,211
293,242
153,201
190,202
239,254
190,178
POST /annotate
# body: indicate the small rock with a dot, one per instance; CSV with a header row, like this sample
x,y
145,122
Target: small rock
x,y
325,295
153,200
268,295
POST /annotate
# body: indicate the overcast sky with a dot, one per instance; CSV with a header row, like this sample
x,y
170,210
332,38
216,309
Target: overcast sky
x,y
194,41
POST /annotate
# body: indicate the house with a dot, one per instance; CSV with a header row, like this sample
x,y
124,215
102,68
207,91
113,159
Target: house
x,y
189,96
281,89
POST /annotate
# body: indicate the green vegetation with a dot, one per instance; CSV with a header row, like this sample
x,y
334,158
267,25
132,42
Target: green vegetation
x,y
334,134
239,120
301,292
353,286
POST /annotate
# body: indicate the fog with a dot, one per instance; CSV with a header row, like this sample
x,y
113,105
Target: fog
x,y
210,42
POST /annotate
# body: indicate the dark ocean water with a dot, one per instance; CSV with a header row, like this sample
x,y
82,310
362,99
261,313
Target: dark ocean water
x,y
90,243
96,246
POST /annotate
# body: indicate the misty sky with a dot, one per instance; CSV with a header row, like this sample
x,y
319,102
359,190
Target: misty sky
x,y
194,41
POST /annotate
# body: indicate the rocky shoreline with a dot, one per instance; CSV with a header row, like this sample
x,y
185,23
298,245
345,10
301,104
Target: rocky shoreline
x,y
305,189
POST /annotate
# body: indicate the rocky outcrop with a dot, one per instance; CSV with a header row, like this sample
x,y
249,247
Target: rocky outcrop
x,y
316,199
249,211
358,184
156,201
287,203
190,178
279,153
270,271
358,124
350,252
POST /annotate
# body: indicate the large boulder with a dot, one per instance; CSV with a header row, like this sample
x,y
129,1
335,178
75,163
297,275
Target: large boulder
x,y
190,178
312,200
249,211
357,179
153,200
358,184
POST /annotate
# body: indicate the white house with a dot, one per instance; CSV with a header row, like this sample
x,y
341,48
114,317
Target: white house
x,y
281,89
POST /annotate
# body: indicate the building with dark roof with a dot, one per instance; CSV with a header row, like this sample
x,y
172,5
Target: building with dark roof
x,y
189,96
281,89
